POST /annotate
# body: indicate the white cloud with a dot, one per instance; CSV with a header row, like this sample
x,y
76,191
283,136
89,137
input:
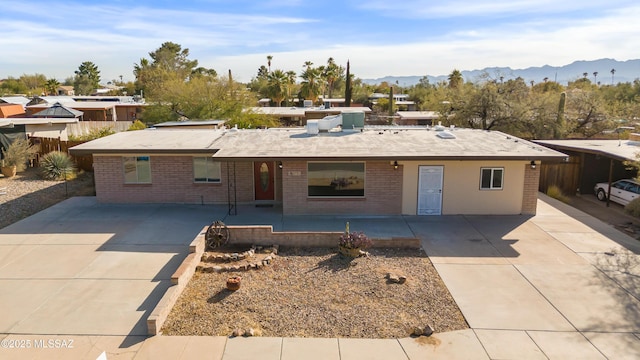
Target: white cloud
x,y
115,39
517,46
429,9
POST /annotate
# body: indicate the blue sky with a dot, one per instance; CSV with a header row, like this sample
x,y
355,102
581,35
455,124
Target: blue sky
x,y
410,37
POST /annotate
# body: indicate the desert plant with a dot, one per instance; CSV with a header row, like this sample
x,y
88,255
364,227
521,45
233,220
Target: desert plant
x,y
555,192
93,134
633,208
354,240
18,154
57,165
137,125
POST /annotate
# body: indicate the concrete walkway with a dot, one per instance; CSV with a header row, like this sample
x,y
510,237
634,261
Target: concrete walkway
x,y
79,278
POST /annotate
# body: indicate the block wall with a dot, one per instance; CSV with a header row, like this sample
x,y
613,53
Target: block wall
x,y
171,182
383,192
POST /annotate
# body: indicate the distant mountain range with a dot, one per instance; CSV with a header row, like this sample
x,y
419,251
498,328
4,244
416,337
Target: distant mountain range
x,y
626,71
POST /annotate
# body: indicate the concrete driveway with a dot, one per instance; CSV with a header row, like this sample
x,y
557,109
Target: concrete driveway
x,y
89,269
560,285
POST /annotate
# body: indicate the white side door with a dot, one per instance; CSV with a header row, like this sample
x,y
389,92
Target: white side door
x,y
430,190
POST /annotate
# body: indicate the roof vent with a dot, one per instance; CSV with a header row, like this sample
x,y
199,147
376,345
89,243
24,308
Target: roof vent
x,y
445,135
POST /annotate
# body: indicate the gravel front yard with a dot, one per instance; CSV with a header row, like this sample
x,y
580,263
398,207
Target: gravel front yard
x,y
27,193
319,293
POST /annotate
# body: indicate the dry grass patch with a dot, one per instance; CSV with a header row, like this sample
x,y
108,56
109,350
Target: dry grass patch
x,y
319,293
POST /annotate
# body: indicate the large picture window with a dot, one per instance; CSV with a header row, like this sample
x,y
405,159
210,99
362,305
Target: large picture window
x,y
137,169
335,179
491,178
205,170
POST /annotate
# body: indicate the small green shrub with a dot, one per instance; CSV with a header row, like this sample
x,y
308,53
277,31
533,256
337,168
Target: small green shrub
x,y
555,192
57,165
93,134
137,125
633,208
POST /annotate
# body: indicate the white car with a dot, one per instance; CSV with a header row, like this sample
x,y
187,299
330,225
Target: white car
x,y
622,191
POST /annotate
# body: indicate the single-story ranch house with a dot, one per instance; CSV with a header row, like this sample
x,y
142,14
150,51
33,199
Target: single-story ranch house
x,y
389,170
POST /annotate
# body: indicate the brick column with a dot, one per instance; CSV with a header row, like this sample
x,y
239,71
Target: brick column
x,y
530,190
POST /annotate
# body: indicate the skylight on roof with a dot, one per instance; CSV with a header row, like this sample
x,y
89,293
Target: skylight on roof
x,y
445,135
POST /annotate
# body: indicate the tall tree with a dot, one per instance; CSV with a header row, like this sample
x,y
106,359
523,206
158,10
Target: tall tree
x,y
168,63
291,82
347,88
13,86
277,86
87,78
332,72
455,79
613,71
310,88
51,86
269,58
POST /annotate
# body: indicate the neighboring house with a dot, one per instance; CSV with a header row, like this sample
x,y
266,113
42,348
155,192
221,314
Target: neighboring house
x,y
417,117
11,110
590,162
105,89
374,171
300,115
329,103
39,100
92,111
58,110
15,100
95,108
65,90
401,100
55,128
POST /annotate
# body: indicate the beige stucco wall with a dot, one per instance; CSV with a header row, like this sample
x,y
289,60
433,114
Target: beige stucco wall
x,y
461,192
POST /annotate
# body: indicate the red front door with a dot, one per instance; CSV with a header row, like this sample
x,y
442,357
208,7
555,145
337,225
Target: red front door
x,y
263,173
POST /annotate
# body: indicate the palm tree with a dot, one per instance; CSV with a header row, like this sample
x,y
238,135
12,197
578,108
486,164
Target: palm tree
x,y
269,58
545,79
585,74
51,86
310,82
595,77
347,87
291,82
455,79
277,86
331,73
613,71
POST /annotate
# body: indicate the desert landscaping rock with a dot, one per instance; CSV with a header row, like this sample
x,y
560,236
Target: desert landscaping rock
x,y
315,292
27,193
428,330
417,331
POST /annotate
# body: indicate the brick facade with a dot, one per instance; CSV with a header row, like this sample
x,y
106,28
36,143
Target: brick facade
x,y
383,192
171,182
530,191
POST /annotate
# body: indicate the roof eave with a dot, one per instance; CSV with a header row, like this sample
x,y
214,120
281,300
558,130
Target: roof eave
x,y
80,151
553,158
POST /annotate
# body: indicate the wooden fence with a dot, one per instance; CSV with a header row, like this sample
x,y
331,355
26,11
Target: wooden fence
x,y
48,145
565,175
